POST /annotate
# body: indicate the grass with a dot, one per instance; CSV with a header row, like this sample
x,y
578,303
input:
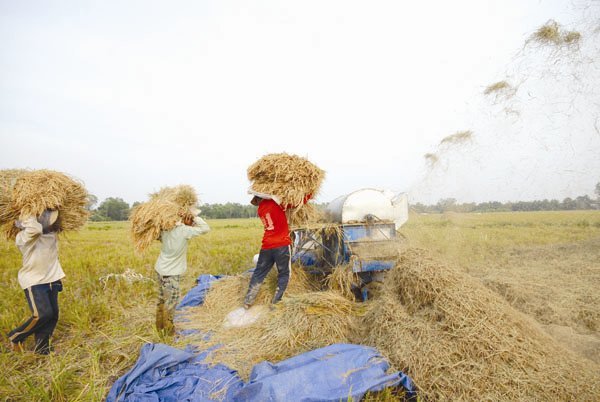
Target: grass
x,y
543,263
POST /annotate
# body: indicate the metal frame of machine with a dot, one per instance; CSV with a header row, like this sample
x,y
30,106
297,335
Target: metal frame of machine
x,y
350,243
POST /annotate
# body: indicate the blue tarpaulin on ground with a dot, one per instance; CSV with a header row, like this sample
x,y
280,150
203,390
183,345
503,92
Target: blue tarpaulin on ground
x,y
333,373
164,373
196,295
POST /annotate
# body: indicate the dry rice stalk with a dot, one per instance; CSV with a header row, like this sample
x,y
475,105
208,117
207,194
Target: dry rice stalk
x,y
496,87
341,280
432,159
548,33
551,34
571,37
34,191
460,341
162,212
303,216
500,89
458,138
290,177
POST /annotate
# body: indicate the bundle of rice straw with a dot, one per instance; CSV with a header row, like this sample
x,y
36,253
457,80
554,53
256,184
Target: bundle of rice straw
x,y
304,215
461,341
289,177
182,195
8,179
162,212
28,193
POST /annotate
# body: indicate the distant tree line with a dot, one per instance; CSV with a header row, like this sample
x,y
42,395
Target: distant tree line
x,y
228,210
568,204
115,209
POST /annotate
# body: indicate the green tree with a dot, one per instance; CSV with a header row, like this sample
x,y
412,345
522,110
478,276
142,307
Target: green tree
x,y
112,209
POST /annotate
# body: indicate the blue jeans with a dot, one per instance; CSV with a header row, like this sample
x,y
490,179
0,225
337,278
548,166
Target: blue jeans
x,y
279,256
43,303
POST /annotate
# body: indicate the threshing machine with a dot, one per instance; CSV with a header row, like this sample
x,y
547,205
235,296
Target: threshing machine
x,y
361,234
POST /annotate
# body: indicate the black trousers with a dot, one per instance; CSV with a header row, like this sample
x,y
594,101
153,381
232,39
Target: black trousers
x,y
43,303
279,256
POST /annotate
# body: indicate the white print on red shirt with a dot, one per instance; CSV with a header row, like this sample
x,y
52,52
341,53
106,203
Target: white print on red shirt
x,y
268,222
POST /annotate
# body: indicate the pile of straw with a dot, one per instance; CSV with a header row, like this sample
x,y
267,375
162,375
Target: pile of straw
x,y
304,320
162,212
460,341
28,193
457,339
289,177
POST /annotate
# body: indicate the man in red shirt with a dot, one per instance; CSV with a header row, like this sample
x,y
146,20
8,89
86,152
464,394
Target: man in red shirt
x,y
275,249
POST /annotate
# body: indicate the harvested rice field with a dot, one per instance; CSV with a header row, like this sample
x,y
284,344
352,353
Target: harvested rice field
x,y
499,306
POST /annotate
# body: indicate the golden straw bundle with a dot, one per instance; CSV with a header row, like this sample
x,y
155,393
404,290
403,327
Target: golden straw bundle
x,y
162,212
304,215
27,193
182,195
8,179
289,177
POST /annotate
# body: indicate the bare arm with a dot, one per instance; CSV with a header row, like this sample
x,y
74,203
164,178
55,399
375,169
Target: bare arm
x,y
199,227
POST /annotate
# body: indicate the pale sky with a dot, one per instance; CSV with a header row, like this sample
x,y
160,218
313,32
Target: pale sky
x,y
130,96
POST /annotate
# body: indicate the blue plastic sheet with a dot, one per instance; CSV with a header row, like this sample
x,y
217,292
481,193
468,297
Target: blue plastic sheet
x,y
333,373
163,373
336,372
196,295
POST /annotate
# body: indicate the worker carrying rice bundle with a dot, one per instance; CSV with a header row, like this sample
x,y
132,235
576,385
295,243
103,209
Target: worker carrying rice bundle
x,y
35,207
171,217
280,183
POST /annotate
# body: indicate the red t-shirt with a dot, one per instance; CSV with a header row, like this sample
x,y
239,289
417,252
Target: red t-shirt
x,y
277,232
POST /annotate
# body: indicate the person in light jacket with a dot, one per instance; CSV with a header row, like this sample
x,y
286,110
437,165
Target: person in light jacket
x,y
171,264
40,278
